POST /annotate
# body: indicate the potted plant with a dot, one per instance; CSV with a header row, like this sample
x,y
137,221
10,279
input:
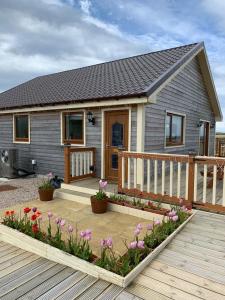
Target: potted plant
x,y
100,200
46,189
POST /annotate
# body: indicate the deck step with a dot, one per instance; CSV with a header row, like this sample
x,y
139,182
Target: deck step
x,y
73,195
80,189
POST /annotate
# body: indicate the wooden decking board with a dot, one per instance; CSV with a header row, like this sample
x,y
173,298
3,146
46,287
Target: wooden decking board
x,y
181,284
189,277
199,262
63,286
6,288
18,265
164,288
110,293
96,289
78,288
196,254
21,271
191,267
49,282
23,290
10,255
145,293
14,260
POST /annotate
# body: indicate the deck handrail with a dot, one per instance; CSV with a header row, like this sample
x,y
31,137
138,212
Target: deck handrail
x,y
147,169
79,163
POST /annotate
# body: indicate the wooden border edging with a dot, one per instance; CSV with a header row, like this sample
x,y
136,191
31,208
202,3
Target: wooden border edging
x,y
30,244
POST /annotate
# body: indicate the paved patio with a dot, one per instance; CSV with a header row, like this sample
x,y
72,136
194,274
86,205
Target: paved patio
x,y
111,224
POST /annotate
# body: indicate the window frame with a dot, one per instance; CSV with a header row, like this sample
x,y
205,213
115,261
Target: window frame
x,y
64,141
183,129
17,140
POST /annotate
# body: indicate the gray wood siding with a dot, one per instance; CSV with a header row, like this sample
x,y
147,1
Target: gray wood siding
x,y
185,94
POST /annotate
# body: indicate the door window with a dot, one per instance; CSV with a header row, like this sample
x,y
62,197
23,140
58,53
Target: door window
x,y
117,135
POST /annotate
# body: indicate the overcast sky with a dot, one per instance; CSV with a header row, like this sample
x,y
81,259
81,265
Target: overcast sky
x,y
43,36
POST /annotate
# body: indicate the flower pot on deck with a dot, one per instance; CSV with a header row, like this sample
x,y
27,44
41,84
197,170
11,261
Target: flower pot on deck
x,y
46,194
99,206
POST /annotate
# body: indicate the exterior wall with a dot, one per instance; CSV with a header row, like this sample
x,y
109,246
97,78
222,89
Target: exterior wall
x,y
45,143
185,94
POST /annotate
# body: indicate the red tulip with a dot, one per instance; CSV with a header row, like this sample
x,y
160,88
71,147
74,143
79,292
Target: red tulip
x,y
26,210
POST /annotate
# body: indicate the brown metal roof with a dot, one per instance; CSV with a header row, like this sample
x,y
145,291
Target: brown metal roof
x,y
128,77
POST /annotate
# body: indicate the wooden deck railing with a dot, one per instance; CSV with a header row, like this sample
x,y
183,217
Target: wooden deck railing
x,y
220,147
198,181
79,163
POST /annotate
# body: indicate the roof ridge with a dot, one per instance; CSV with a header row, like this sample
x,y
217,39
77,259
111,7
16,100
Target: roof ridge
x,y
119,59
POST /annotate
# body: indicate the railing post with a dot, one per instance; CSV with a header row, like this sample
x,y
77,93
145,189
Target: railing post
x,y
191,178
67,164
120,172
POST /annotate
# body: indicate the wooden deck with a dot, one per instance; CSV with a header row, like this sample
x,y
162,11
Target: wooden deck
x,y
191,267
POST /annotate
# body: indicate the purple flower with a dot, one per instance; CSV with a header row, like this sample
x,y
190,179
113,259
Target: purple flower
x,y
58,220
172,213
141,244
133,245
184,208
50,214
103,184
175,218
137,232
157,222
62,223
103,243
70,228
139,227
109,242
88,231
149,226
34,209
82,234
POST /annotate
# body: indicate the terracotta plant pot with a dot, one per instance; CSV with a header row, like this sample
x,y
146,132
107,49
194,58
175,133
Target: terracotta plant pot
x,y
99,206
46,195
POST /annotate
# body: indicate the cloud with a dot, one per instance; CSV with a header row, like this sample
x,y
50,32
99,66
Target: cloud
x,y
45,36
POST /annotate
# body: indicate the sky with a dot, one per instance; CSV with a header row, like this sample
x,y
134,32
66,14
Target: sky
x,y
39,37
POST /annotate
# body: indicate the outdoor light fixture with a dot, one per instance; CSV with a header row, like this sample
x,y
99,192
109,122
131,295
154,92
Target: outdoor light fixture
x,y
199,124
90,117
212,125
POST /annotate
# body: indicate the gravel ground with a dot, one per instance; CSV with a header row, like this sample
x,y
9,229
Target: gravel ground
x,y
27,190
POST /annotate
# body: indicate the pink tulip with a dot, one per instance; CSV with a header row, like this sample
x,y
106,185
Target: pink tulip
x,y
50,175
50,214
141,244
137,232
181,201
103,243
62,223
87,237
70,228
103,184
149,226
175,218
172,213
133,245
157,222
139,226
82,234
184,208
88,231
109,242
58,220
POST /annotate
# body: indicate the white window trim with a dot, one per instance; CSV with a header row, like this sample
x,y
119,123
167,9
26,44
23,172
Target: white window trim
x,y
14,129
84,129
206,121
184,130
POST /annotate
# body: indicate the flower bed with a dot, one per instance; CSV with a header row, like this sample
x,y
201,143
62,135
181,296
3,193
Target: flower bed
x,y
138,204
75,251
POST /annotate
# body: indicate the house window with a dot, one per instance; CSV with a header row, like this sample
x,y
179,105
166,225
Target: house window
x,y
21,128
73,124
174,129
